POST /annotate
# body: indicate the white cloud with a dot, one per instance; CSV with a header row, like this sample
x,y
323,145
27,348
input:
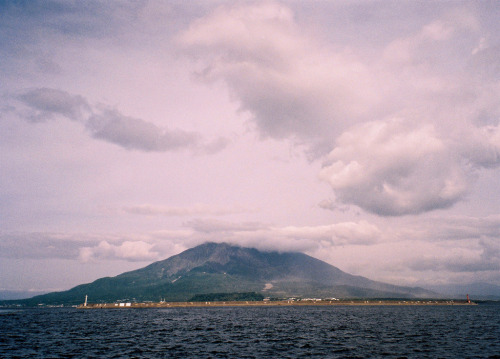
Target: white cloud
x,y
288,238
297,87
390,168
407,249
290,84
394,168
127,250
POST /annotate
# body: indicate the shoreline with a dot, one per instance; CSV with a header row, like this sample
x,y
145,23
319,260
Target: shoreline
x,y
272,304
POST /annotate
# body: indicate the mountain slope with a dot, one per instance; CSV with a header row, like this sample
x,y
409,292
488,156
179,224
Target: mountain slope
x,y
224,268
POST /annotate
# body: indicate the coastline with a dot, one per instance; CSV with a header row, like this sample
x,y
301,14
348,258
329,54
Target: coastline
x,y
272,303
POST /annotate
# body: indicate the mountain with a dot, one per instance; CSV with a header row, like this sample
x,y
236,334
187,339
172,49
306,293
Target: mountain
x,y
18,294
224,268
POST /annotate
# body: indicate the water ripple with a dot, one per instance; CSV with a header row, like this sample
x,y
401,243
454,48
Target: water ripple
x,y
253,332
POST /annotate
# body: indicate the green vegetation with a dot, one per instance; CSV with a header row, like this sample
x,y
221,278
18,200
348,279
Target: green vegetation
x,y
227,297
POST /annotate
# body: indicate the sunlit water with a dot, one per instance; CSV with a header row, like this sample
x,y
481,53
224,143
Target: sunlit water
x,y
253,332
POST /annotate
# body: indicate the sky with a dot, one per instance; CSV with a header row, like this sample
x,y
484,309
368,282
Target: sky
x,y
363,133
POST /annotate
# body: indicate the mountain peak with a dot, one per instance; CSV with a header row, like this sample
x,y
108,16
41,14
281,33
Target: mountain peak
x,y
226,268
213,252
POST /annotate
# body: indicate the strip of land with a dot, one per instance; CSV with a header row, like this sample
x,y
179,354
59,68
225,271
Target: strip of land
x,y
269,303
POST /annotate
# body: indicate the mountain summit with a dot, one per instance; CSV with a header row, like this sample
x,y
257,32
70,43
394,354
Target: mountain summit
x,y
225,268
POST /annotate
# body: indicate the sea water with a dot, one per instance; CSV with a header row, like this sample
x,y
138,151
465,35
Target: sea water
x,y
253,332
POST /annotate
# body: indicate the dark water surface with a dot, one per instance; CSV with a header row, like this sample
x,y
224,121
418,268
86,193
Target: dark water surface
x,y
253,332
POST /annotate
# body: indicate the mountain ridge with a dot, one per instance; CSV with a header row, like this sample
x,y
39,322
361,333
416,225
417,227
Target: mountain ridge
x,y
225,268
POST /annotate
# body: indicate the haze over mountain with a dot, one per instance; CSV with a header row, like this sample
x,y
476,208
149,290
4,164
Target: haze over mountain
x,y
477,291
224,268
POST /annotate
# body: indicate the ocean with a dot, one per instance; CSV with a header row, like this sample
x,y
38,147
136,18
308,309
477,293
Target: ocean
x,y
253,332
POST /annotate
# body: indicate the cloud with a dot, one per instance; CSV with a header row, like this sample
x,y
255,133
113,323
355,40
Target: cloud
x,y
72,246
432,39
127,250
457,262
446,247
266,236
111,126
136,134
481,146
405,129
344,233
390,168
332,205
213,146
198,209
40,245
292,86
394,168
49,102
216,226
485,62
443,249
457,228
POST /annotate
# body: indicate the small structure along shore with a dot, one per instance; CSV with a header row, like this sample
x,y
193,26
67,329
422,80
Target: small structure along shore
x,y
269,303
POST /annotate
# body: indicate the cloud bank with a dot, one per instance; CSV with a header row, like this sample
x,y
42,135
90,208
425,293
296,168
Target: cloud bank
x,y
443,247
